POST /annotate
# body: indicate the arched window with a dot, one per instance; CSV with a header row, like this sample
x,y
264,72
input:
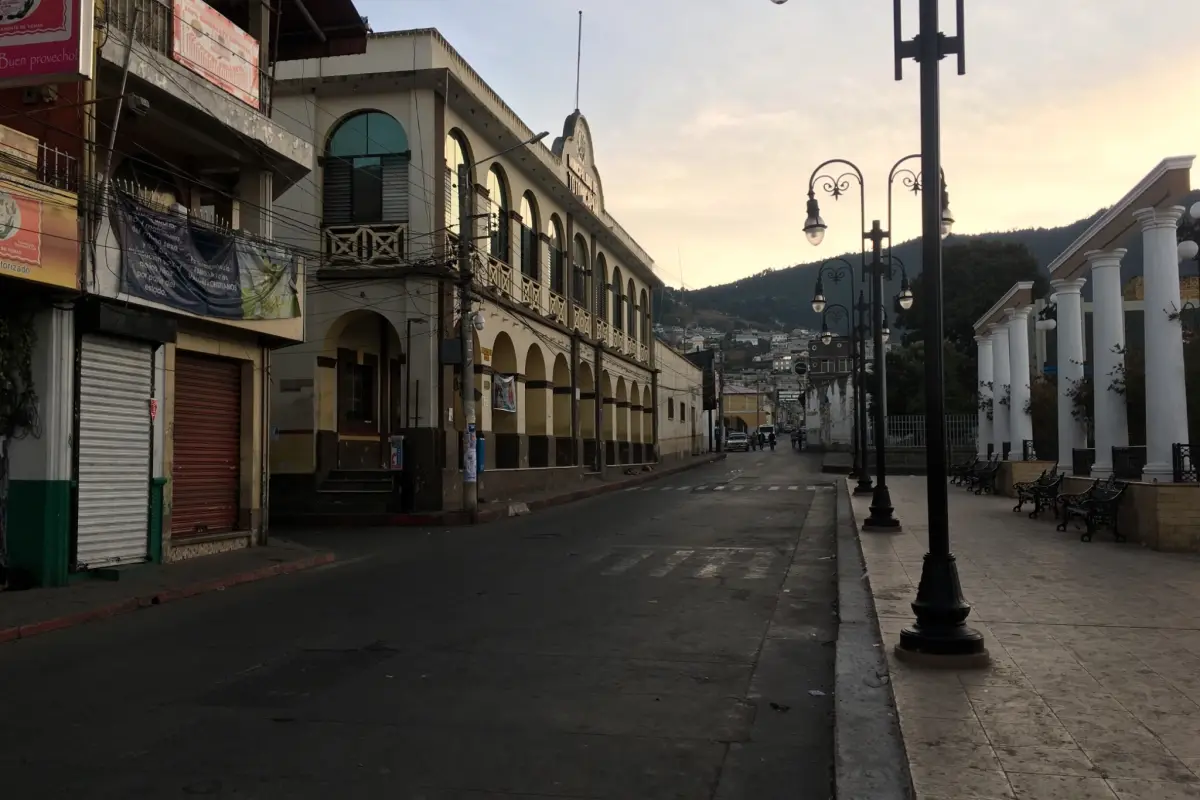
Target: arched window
x,y
531,261
600,282
618,315
366,171
645,317
631,299
499,220
579,290
558,256
456,155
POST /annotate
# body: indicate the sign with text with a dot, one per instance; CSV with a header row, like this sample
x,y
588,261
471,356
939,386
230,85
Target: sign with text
x,y
215,49
45,41
39,235
169,259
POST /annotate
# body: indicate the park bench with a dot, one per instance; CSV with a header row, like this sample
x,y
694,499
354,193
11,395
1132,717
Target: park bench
x,y
983,477
1041,492
1097,507
960,473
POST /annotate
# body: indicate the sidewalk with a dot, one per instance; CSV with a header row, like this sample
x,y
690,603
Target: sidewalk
x,y
36,611
1094,689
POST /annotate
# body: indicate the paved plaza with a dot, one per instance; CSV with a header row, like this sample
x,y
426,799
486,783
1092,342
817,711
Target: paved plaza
x,y
1094,688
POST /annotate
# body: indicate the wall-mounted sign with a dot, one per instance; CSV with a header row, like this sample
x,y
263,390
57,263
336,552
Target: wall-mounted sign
x,y
45,41
504,393
169,259
39,234
215,49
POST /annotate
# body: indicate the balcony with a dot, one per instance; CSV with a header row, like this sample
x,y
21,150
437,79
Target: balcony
x,y
377,246
583,321
207,102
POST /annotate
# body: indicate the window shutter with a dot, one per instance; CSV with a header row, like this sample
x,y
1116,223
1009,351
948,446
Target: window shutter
x,y
336,192
451,217
395,188
547,264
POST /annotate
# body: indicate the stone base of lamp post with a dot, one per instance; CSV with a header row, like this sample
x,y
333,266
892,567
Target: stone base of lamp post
x,y
864,486
881,519
940,636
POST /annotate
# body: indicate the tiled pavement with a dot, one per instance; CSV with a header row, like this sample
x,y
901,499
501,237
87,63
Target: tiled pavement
x,y
1094,689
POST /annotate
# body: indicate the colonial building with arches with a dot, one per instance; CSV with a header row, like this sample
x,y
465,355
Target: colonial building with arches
x,y
568,379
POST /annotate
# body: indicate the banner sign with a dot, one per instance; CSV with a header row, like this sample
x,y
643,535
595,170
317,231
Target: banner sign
x,y
504,393
215,49
39,235
45,41
169,259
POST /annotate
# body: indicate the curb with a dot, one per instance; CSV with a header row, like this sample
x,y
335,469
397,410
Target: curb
x,y
160,597
458,517
870,762
582,494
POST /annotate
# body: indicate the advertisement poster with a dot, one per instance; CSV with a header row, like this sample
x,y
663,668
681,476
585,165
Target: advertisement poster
x,y
215,49
169,259
39,237
470,464
45,41
504,393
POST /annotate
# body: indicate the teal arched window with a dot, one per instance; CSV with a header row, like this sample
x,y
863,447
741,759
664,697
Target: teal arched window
x,y
366,171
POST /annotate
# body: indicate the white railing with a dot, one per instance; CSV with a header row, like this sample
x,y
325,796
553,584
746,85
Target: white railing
x,y
376,245
630,347
643,354
558,307
908,430
531,292
583,321
499,276
603,331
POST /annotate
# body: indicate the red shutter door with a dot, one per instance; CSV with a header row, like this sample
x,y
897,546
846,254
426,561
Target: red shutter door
x,y
206,474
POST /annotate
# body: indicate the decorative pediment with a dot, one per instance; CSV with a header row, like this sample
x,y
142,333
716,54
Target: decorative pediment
x,y
574,147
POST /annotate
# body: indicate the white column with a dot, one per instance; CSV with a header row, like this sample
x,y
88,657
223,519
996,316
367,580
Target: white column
x,y
1020,428
1072,433
984,436
1000,372
1109,417
1166,393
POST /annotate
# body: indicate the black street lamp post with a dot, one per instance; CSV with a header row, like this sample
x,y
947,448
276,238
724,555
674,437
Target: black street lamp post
x,y
940,629
838,270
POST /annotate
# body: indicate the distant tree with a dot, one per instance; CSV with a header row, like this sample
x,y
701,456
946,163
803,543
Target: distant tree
x,y
975,274
906,381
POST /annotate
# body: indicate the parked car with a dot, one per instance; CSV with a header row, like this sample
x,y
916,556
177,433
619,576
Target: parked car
x,y
737,441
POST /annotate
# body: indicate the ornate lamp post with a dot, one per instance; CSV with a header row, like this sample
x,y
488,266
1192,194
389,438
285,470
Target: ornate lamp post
x,y
838,270
877,270
940,631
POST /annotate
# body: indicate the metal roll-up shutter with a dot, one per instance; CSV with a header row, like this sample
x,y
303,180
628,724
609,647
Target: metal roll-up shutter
x,y
116,383
206,469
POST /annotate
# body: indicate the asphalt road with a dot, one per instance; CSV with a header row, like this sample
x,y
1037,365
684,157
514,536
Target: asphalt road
x,y
674,641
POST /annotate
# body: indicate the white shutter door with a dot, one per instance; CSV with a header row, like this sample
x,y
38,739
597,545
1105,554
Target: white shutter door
x,y
115,386
395,188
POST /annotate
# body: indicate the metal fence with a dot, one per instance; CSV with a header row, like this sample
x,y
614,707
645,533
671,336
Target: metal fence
x,y
908,430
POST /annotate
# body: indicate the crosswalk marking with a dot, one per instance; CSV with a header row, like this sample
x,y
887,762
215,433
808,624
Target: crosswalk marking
x,y
684,488
661,561
721,487
774,488
738,488
718,488
759,565
628,561
713,568
793,488
672,561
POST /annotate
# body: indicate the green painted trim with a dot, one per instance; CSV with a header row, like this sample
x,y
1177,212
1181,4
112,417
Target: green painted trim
x,y
39,531
156,519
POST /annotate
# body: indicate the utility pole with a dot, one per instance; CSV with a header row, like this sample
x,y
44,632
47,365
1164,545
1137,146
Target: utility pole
x,y
721,399
470,472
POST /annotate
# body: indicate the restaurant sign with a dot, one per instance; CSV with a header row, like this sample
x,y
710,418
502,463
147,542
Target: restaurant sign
x,y
215,49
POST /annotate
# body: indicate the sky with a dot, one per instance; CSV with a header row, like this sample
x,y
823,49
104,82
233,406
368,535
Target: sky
x,y
709,116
